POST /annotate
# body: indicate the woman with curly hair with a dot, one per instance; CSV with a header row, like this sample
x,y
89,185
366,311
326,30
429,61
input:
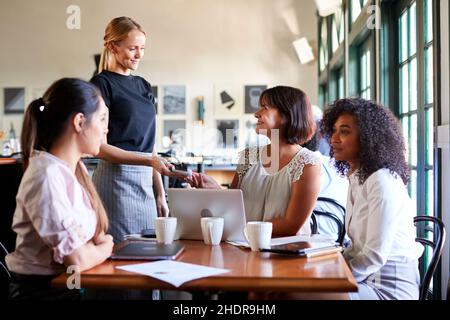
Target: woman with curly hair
x,y
368,147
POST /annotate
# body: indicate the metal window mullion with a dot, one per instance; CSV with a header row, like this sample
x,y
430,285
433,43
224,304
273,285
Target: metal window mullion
x,y
421,143
409,59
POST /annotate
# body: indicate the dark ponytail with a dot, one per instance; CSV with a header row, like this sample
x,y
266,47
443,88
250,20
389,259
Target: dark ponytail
x,y
46,119
31,126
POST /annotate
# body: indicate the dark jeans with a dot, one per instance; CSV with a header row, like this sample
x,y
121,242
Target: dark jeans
x,y
38,287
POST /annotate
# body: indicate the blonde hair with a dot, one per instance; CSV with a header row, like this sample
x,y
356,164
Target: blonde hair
x,y
116,31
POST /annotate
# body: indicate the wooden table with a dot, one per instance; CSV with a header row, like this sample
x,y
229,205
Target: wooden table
x,y
250,271
7,161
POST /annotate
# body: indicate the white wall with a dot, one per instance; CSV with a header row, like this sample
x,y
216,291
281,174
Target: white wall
x,y
206,45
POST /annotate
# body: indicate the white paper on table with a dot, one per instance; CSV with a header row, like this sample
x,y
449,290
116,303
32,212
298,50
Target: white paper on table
x,y
285,240
173,272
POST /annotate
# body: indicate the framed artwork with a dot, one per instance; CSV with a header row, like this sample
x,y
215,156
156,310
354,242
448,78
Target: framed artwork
x,y
14,100
174,100
229,133
174,134
170,126
227,100
252,94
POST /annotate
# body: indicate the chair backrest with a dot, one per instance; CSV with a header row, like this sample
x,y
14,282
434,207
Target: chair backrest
x,y
438,230
5,276
332,216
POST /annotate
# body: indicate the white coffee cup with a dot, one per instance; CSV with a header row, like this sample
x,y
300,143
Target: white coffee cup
x,y
212,229
165,228
258,234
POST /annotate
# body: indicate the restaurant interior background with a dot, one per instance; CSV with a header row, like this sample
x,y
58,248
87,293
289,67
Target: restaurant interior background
x,y
215,54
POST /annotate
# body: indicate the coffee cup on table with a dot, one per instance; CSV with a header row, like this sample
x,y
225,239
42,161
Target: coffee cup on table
x,y
165,228
212,229
258,234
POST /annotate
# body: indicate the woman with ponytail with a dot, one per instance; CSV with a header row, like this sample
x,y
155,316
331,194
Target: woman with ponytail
x,y
59,219
128,178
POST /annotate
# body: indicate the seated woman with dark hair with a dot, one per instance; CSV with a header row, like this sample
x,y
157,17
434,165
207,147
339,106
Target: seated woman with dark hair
x,y
280,181
368,147
332,185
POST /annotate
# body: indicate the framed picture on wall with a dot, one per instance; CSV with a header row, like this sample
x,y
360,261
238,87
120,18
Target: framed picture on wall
x,y
229,130
14,100
227,100
174,134
170,126
252,94
174,100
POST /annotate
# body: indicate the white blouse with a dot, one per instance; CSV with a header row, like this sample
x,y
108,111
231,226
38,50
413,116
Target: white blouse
x,y
379,222
53,217
266,196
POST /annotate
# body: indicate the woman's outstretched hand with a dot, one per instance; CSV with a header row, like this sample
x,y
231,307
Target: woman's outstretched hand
x,y
162,166
202,181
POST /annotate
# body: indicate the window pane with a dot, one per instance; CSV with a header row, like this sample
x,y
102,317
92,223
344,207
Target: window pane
x,y
404,89
405,130
413,140
355,9
429,85
428,16
368,73
323,46
334,35
413,189
429,194
332,93
403,37
363,72
412,29
322,96
429,136
413,85
341,85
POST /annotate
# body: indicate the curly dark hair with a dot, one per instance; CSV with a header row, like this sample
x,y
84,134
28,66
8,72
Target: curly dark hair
x,y
380,137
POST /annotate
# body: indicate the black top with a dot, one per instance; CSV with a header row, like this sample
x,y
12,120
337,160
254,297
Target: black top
x,y
131,110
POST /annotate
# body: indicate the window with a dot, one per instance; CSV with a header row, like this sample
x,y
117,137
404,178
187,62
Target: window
x,y
336,90
323,50
337,30
356,7
416,107
323,100
365,70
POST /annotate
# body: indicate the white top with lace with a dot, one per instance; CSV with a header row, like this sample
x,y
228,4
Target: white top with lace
x,y
266,196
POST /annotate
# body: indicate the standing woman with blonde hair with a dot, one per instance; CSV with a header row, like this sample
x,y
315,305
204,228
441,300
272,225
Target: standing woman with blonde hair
x,y
59,219
128,178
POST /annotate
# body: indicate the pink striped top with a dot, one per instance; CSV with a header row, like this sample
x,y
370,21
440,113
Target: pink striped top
x,y
53,217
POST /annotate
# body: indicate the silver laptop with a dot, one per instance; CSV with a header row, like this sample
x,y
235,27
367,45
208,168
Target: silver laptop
x,y
190,205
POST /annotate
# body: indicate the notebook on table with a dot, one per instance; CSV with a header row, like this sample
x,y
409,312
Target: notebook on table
x,y
305,248
146,251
